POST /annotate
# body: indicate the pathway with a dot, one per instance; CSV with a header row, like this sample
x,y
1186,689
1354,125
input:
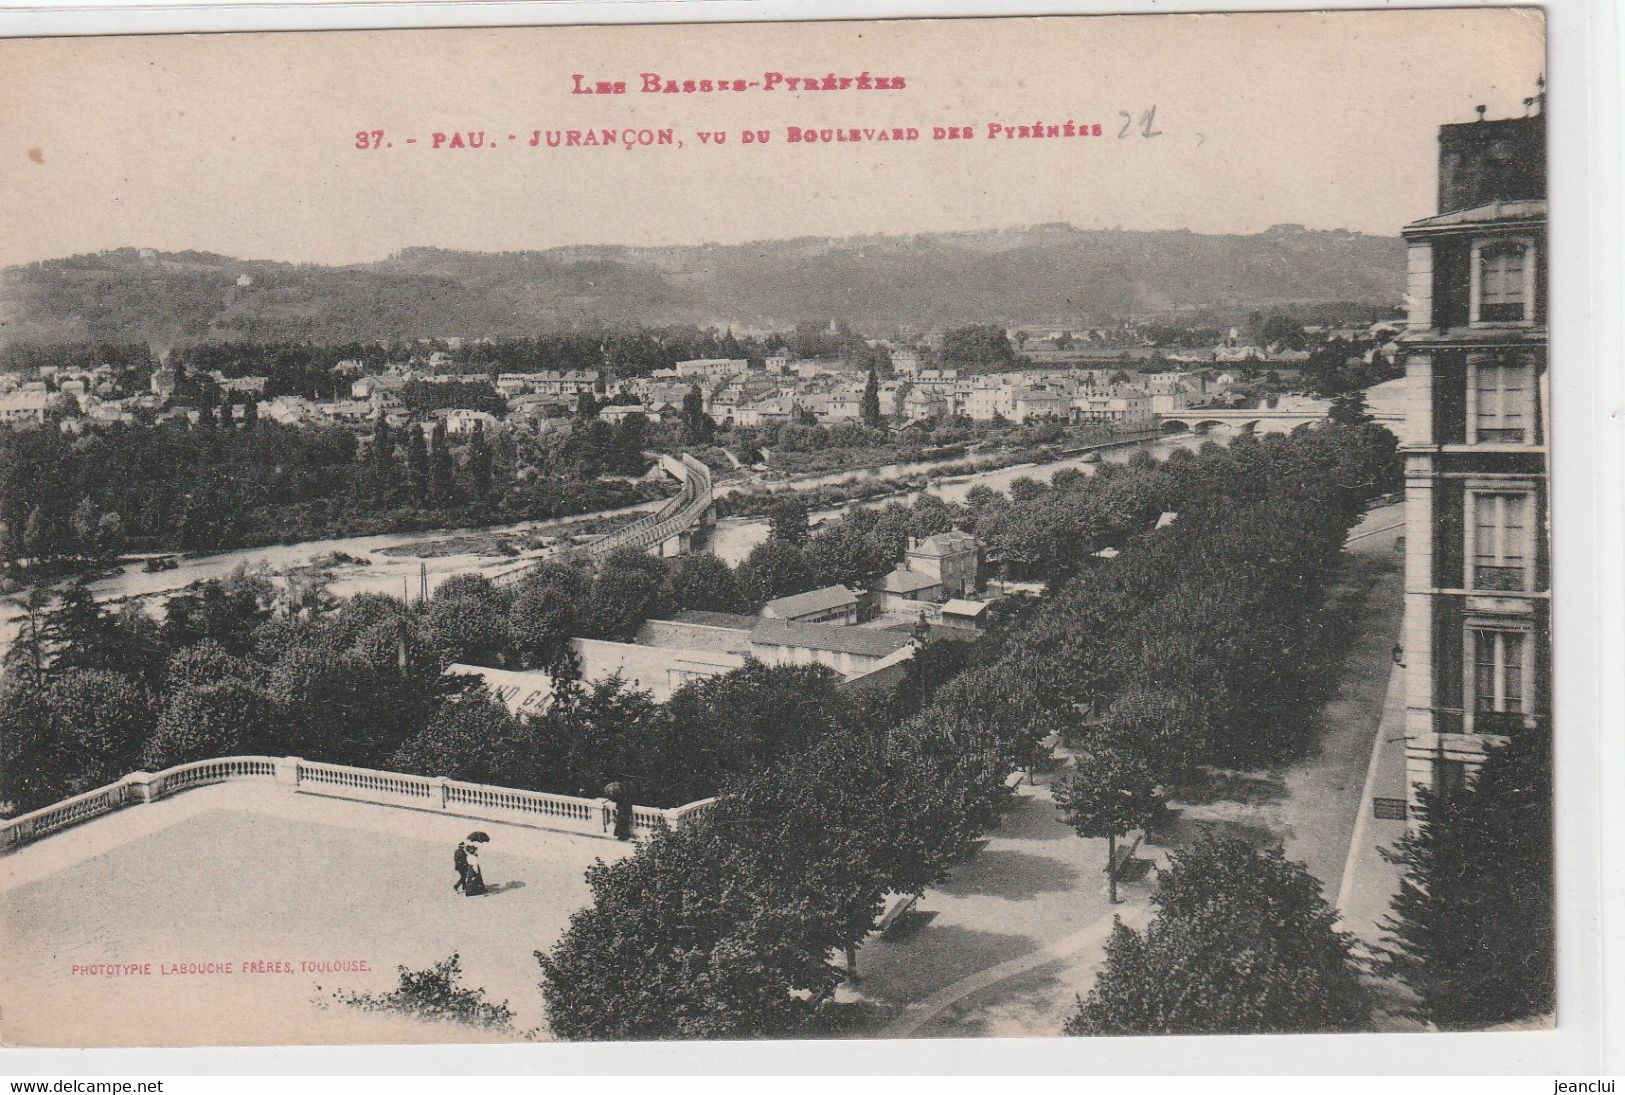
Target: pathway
x,y
235,874
1033,895
1018,931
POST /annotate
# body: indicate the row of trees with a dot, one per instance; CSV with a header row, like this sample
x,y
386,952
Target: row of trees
x,y
724,929
239,666
1182,603
204,488
1243,941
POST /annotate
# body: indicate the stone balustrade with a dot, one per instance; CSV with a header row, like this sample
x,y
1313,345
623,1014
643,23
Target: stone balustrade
x,y
507,805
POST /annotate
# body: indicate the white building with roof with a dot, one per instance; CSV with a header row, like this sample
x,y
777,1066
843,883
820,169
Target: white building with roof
x,y
833,604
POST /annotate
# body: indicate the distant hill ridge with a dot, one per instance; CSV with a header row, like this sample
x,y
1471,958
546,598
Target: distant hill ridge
x,y
1051,274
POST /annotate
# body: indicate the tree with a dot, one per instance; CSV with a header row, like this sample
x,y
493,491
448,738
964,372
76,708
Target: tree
x,y
1242,942
630,587
29,656
774,568
227,610
479,464
220,714
787,520
110,533
79,635
46,532
676,945
1349,408
417,462
467,621
33,770
706,583
869,407
442,482
469,737
545,614
1027,489
382,452
1110,793
84,524
730,729
1282,330
86,729
697,426
976,346
1471,929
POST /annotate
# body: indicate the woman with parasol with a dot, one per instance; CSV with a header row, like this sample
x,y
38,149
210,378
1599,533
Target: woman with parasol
x,y
616,791
473,876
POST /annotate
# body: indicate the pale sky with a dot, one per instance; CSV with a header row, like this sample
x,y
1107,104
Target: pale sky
x,y
244,144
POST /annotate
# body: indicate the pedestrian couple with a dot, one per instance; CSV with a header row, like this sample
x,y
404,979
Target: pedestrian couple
x,y
470,876
618,793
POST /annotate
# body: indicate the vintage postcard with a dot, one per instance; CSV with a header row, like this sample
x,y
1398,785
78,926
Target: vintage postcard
x,y
888,529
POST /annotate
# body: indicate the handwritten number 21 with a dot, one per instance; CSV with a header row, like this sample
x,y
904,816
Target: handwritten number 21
x,y
1148,122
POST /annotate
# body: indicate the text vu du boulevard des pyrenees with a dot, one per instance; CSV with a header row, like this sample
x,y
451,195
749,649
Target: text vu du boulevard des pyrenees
x,y
654,83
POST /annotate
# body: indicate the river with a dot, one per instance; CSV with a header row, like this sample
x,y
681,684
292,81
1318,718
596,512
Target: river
x,y
381,567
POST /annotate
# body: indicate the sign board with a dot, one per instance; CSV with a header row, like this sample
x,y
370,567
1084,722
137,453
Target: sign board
x,y
1388,809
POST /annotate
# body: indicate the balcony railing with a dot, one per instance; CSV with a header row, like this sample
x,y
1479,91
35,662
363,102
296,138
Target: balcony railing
x,y
1500,579
1453,720
509,805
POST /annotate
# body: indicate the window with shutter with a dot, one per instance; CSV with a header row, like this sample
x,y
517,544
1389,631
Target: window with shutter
x,y
1501,412
1502,288
1499,547
1498,679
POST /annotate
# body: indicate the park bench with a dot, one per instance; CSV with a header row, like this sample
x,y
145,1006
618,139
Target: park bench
x,y
895,913
1125,855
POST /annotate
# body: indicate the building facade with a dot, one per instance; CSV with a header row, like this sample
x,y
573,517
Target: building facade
x,y
1476,648
950,561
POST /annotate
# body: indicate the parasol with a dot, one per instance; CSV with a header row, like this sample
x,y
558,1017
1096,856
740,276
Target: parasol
x,y
479,836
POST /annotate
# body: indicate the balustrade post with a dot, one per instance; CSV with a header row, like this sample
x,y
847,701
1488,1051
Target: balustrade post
x,y
287,772
143,788
441,796
606,811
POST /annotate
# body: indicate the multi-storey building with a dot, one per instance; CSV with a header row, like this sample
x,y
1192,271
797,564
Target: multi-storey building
x,y
1477,645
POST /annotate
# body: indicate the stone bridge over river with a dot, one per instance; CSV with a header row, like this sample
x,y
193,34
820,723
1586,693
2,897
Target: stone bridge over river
x,y
1247,420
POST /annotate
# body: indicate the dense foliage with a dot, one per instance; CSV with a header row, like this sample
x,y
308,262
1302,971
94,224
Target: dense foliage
x,y
1110,792
725,928
434,994
1472,929
1196,643
1242,942
172,487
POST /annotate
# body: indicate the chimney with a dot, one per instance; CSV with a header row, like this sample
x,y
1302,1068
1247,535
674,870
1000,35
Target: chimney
x,y
1484,161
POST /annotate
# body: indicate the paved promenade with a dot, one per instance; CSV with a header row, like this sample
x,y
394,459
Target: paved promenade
x,y
999,947
1019,930
236,873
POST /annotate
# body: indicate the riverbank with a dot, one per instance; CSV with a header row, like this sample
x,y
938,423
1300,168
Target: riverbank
x,y
875,484
403,564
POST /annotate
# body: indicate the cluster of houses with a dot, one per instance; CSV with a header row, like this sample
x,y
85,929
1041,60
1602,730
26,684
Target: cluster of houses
x,y
1379,338
865,636
91,395
830,392
1070,376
